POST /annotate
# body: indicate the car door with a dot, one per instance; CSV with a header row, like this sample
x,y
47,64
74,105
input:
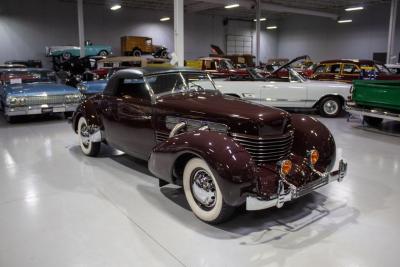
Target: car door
x,y
350,72
127,118
285,92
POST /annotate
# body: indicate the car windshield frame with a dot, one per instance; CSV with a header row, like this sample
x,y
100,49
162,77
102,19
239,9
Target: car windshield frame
x,y
5,77
183,80
382,68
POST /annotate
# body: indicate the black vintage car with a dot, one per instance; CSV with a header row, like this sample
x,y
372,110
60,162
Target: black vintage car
x,y
224,151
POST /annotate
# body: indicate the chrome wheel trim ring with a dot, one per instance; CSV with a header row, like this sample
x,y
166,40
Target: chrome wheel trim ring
x,y
84,135
331,107
203,189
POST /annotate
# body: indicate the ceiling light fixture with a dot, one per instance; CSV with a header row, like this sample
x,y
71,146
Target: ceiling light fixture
x,y
272,27
261,19
232,6
165,19
345,21
354,8
115,7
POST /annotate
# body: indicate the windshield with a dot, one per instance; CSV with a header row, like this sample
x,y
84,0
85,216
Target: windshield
x,y
382,68
226,64
18,77
179,82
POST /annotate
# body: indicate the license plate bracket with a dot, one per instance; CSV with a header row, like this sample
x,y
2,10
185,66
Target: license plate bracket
x,y
47,110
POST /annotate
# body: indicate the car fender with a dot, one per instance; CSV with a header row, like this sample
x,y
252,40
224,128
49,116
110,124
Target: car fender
x,y
230,163
309,133
86,109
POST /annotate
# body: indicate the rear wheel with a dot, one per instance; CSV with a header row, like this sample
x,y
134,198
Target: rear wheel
x,y
203,193
88,147
67,55
103,53
372,121
136,53
330,107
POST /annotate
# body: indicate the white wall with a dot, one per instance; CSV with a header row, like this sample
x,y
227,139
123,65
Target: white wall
x,y
27,26
323,38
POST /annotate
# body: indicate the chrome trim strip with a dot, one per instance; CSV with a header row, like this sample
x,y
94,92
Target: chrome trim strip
x,y
372,113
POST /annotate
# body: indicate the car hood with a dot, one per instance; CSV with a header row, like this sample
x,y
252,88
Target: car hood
x,y
240,116
34,89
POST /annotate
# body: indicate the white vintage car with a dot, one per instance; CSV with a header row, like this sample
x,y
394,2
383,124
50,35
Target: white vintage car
x,y
286,88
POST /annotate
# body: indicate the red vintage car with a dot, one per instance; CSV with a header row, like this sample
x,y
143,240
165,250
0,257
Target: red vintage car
x,y
224,151
347,70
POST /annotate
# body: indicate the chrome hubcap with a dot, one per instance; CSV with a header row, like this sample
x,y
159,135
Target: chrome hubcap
x,y
203,188
85,136
331,107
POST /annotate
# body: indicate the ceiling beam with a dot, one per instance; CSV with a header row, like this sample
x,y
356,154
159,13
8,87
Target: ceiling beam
x,y
249,4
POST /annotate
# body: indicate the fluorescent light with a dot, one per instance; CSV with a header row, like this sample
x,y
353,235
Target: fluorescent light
x,y
115,7
272,27
261,19
345,21
165,19
354,8
232,6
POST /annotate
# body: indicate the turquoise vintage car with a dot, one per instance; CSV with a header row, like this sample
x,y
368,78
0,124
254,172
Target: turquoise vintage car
x,y
66,52
35,91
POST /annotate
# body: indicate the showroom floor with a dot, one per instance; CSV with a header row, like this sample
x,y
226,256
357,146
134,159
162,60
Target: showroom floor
x,y
60,208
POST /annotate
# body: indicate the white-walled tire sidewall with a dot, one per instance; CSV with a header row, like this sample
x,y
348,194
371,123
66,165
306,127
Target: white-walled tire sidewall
x,y
207,216
85,149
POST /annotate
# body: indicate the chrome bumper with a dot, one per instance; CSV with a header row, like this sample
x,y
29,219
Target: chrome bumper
x,y
40,109
354,110
293,192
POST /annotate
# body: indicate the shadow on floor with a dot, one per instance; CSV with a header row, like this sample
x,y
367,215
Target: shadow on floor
x,y
26,120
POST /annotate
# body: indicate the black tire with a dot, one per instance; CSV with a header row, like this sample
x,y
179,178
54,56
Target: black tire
x,y
136,52
66,55
68,114
330,107
164,54
10,119
216,210
373,121
91,149
103,53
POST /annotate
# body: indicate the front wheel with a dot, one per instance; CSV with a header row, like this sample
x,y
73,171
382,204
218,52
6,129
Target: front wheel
x,y
330,107
88,147
373,121
203,193
103,53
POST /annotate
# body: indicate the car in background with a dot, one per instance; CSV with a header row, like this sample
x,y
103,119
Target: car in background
x,y
394,68
347,70
140,45
11,66
217,67
90,88
30,63
33,91
66,52
223,151
286,88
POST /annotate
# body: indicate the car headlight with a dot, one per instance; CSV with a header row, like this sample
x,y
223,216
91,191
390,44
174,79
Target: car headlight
x,y
285,167
13,101
313,156
75,98
81,87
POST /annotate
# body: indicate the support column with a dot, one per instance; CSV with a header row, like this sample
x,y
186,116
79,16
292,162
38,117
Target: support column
x,y
392,32
179,32
258,28
81,28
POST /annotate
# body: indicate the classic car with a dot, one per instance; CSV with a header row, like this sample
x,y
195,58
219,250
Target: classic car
x,y
139,45
66,52
11,66
35,91
375,101
90,88
224,151
217,67
104,65
347,70
394,68
286,88
30,63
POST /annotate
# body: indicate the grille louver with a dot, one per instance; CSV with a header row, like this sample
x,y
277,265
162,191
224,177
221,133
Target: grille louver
x,y
40,100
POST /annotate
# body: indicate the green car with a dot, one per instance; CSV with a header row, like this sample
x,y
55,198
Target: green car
x,y
66,52
375,100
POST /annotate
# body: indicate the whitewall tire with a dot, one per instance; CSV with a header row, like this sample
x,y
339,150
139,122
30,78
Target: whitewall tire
x,y
88,148
203,193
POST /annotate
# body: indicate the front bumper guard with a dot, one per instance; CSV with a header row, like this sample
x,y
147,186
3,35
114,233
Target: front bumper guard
x,y
293,192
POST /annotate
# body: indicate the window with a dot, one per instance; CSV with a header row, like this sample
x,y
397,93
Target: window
x,y
334,68
165,83
133,88
350,69
320,69
210,65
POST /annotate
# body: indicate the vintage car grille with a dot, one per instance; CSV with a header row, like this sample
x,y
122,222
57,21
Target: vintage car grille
x,y
266,149
40,100
161,137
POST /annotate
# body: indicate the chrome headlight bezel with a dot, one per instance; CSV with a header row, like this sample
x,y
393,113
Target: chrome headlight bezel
x,y
73,98
16,101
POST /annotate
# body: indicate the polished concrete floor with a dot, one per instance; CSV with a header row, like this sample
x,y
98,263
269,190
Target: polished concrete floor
x,y
60,208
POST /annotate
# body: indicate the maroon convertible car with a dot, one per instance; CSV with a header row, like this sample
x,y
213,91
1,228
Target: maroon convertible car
x,y
224,151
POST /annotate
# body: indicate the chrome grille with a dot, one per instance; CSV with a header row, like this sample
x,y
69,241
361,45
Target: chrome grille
x,y
40,100
266,149
161,137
